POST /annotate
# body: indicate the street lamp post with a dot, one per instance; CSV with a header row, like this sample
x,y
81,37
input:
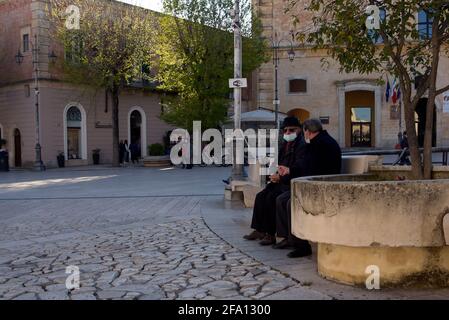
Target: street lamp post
x,y
38,164
237,169
276,46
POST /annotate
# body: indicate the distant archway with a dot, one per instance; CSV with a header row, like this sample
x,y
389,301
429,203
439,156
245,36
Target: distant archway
x,y
137,129
299,113
420,122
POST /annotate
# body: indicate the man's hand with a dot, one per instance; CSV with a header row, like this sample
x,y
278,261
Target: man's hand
x,y
275,178
283,171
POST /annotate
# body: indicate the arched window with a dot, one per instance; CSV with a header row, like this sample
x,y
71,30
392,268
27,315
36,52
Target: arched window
x,y
74,116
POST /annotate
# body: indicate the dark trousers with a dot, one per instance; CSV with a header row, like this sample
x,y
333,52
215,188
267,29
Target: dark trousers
x,y
264,214
284,221
405,159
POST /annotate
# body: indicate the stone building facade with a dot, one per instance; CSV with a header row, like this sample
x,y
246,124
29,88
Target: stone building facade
x,y
73,120
352,106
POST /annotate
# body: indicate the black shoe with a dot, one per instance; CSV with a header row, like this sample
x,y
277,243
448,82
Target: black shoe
x,y
255,235
268,240
304,251
282,245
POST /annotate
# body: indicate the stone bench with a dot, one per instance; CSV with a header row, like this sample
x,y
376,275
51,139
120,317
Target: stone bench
x,y
359,221
246,190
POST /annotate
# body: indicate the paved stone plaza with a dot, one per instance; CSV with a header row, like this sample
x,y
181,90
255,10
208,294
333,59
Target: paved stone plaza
x,y
139,233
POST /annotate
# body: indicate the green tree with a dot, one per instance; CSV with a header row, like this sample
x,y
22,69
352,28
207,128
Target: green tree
x,y
196,51
339,26
113,42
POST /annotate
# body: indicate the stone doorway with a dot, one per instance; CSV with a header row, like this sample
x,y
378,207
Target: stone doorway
x,y
360,119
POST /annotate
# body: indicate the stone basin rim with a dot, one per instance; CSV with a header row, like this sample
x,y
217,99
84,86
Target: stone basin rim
x,y
333,180
369,211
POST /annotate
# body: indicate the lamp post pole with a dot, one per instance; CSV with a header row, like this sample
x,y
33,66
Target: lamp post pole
x,y
237,169
276,101
38,164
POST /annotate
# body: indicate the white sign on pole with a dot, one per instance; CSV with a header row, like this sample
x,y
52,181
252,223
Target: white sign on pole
x,y
446,102
238,83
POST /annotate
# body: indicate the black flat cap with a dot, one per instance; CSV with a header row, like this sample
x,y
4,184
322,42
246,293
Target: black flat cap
x,y
291,122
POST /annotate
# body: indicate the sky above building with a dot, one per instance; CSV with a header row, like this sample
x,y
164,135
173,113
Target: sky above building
x,y
149,4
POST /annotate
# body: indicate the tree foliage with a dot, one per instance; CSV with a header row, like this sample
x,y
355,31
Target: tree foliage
x,y
196,52
339,26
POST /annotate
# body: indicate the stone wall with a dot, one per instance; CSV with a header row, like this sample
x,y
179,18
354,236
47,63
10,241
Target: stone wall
x,y
15,16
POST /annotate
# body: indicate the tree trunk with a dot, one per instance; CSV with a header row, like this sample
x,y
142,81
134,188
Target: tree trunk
x,y
409,109
428,137
115,126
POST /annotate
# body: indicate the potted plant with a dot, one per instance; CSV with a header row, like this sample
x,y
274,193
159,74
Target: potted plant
x,y
156,149
96,156
61,159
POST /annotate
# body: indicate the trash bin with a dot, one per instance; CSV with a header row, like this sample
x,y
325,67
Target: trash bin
x,y
4,161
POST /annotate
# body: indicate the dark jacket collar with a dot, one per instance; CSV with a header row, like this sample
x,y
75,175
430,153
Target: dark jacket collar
x,y
319,137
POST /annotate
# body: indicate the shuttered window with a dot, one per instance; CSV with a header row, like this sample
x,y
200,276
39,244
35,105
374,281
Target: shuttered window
x,y
297,86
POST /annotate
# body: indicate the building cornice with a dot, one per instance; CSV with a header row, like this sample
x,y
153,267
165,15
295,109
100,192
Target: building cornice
x,y
358,81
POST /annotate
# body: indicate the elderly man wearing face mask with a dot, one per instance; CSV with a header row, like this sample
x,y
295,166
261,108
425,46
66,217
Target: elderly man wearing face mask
x,y
264,214
322,157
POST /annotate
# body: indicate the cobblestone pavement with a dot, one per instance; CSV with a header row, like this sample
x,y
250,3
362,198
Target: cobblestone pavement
x,y
177,260
139,233
148,246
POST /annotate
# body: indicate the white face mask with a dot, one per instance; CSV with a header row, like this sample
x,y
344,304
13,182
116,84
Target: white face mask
x,y
306,137
290,137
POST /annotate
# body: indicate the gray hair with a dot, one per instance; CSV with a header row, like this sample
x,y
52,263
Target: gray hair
x,y
313,125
